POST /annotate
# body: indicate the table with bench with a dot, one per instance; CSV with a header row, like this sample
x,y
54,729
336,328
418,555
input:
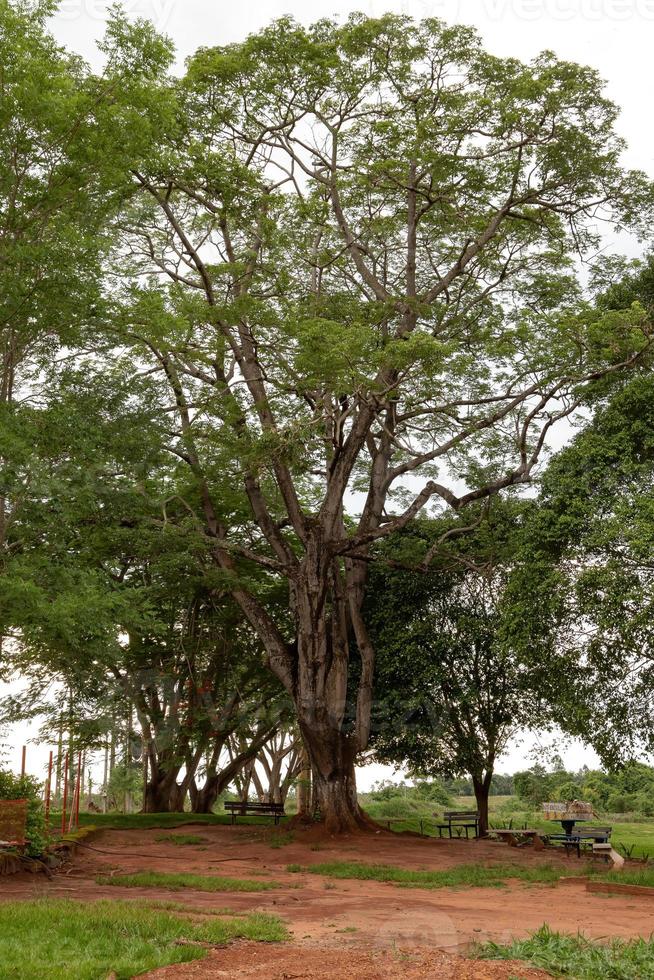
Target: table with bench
x,y
243,809
459,820
597,837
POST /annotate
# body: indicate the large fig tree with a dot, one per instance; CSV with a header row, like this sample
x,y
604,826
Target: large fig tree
x,y
348,256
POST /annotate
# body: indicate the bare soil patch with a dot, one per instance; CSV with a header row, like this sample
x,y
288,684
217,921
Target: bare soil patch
x,y
251,960
347,927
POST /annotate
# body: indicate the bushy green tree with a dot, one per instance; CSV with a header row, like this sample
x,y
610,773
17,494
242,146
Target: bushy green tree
x,y
451,692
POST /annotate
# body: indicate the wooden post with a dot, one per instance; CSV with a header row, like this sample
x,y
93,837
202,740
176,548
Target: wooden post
x,y
63,812
60,759
24,762
48,788
74,807
78,787
105,775
146,760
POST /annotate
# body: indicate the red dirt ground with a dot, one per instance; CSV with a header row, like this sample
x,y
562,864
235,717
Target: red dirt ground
x,y
362,929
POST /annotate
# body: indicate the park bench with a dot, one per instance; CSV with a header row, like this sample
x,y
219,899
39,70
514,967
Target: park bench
x,y
240,809
457,820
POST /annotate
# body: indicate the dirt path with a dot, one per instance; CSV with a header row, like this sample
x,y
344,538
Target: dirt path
x,y
347,927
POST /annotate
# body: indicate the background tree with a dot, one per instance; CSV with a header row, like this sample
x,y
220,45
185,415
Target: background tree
x,y
354,248
118,604
588,562
451,694
57,197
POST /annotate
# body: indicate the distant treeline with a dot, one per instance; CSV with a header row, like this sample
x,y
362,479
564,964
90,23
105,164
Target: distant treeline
x,y
630,789
500,786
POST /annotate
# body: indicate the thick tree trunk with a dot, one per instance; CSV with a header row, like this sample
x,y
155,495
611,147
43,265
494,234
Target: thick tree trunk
x,y
303,790
333,734
162,792
203,800
482,792
335,781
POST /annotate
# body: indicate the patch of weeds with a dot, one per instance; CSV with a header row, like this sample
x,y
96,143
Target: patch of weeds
x,y
281,840
295,869
181,840
578,957
466,875
186,909
179,881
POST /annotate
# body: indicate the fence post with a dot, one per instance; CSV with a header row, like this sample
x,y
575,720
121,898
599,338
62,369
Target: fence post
x,y
74,808
65,803
80,775
48,789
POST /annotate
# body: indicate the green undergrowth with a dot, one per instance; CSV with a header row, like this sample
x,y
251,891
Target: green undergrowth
x,y
179,881
578,957
91,941
465,875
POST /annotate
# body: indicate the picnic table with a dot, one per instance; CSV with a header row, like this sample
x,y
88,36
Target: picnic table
x,y
521,838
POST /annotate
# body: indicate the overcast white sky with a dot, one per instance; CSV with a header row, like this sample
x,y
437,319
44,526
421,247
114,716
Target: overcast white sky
x,y
614,36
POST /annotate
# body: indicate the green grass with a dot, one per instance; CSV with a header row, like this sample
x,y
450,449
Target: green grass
x,y
465,875
181,840
64,939
575,956
178,881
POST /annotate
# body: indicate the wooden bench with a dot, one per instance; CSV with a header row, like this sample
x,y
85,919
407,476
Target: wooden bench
x,y
459,821
239,809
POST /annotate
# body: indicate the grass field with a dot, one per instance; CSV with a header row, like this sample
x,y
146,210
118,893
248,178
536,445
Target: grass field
x,y
63,939
155,821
